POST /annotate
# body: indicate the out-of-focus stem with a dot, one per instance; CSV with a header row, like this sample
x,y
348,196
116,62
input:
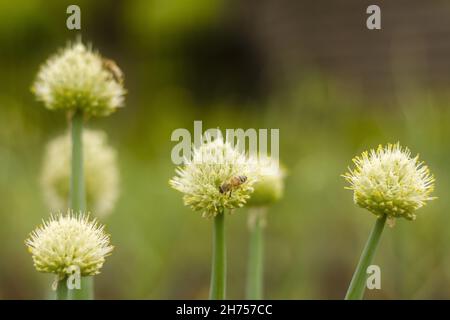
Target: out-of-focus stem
x,y
255,268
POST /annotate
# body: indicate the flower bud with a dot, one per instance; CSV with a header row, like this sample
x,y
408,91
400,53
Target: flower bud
x,y
270,185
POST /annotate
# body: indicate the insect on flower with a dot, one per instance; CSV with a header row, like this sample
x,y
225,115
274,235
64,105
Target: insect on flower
x,y
114,69
232,184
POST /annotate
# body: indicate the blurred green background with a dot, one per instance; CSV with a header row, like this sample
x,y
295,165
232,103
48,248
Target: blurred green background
x,y
311,69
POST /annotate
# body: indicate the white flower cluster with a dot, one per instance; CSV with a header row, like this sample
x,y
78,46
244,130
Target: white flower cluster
x,y
79,79
67,241
218,177
389,181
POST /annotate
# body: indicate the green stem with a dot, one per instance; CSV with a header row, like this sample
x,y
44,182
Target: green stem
x,y
62,292
358,283
78,194
219,259
256,254
86,291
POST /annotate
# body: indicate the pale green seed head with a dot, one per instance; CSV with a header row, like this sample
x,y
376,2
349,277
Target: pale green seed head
x,y
389,181
214,163
270,185
67,241
77,78
100,170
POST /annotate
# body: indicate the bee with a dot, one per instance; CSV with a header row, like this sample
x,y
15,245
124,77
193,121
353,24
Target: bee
x,y
113,69
231,184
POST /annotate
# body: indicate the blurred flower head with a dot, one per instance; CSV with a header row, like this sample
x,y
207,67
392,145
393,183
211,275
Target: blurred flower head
x,y
65,242
270,185
389,181
217,177
100,170
77,78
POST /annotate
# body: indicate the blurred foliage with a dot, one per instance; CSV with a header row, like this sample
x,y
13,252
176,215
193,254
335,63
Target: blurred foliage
x,y
315,234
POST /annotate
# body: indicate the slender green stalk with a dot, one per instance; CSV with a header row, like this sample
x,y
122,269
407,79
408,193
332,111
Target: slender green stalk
x,y
219,259
62,292
255,269
358,283
86,291
78,194
77,191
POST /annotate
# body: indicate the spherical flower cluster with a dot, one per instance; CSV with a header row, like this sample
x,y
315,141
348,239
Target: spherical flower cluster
x,y
79,79
389,181
270,185
66,242
100,170
217,177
